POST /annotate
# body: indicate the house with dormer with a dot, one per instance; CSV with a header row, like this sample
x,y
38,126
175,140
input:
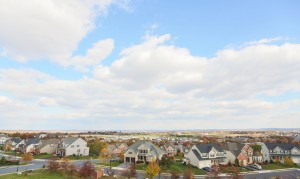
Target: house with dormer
x,y
278,151
242,152
72,146
170,150
3,139
142,151
205,155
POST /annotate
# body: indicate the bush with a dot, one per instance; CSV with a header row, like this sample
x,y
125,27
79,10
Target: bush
x,y
3,161
271,161
87,170
53,166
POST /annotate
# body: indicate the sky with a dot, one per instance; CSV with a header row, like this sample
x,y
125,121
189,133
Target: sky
x,y
149,65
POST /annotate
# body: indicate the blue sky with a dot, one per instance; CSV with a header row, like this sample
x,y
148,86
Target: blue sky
x,y
202,64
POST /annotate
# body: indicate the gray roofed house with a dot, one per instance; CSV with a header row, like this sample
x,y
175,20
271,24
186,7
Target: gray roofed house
x,y
13,143
72,146
49,146
31,145
3,138
278,151
242,152
205,155
142,151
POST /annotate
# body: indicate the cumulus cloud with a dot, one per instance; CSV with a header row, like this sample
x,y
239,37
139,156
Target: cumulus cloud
x,y
155,82
49,29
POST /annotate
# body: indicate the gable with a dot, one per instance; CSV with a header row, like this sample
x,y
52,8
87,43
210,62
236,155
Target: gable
x,y
142,147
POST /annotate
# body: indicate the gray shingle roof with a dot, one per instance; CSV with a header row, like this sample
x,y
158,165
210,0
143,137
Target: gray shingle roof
x,y
205,148
49,141
32,141
69,140
16,140
234,148
272,146
153,149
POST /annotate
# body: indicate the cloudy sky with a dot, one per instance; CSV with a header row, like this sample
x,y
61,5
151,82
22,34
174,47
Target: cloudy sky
x,y
139,64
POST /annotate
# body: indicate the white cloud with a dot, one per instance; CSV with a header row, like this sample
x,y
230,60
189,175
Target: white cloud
x,y
48,29
94,55
155,83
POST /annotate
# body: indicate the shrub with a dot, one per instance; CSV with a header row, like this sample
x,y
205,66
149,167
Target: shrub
x,y
53,166
87,170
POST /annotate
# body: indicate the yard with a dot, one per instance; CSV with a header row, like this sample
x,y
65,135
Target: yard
x,y
275,166
35,175
81,157
43,156
176,166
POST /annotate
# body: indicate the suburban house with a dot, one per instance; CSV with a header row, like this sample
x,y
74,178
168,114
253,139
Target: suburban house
x,y
49,146
13,143
258,157
142,151
278,151
265,154
72,146
242,152
3,139
205,155
116,149
31,145
170,150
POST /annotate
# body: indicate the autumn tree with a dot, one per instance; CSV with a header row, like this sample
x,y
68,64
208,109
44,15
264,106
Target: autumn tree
x,y
188,173
27,157
288,161
175,174
234,173
87,170
105,154
53,166
214,173
152,170
130,172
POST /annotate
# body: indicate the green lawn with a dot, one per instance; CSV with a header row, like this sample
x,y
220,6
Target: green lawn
x,y
81,157
43,156
176,166
275,166
38,174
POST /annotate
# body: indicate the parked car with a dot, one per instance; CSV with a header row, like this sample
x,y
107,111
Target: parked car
x,y
207,169
250,168
256,166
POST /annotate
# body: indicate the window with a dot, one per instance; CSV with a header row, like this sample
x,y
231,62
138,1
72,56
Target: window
x,y
72,146
77,145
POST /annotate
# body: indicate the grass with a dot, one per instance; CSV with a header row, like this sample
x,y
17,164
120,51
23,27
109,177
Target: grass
x,y
43,156
275,166
81,157
176,166
36,175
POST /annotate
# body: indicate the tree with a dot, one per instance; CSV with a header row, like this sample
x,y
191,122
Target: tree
x,y
256,148
130,172
188,173
152,170
288,161
121,155
104,154
175,174
3,161
165,161
53,166
27,157
215,172
234,173
237,162
96,146
87,170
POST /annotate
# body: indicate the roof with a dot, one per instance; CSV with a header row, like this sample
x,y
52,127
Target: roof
x,y
69,140
4,135
16,140
205,148
49,141
32,141
153,149
197,154
234,148
284,146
